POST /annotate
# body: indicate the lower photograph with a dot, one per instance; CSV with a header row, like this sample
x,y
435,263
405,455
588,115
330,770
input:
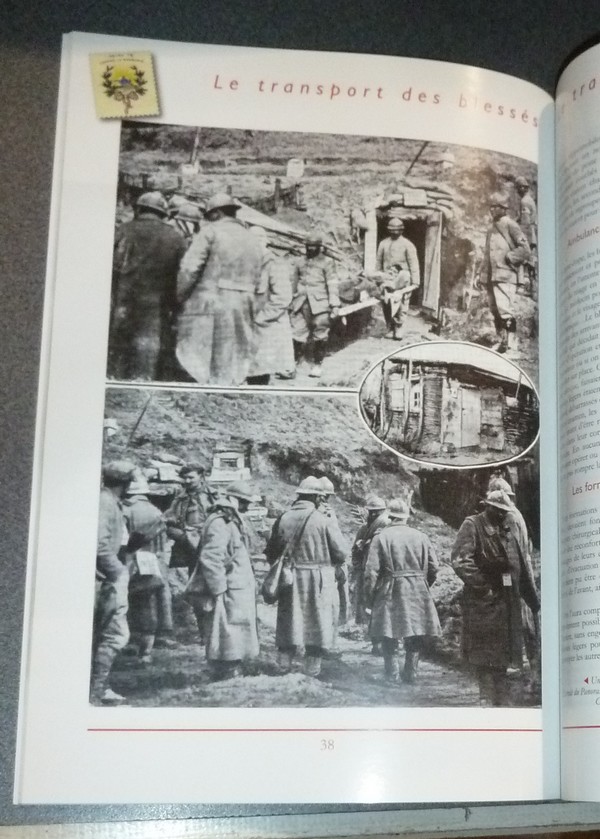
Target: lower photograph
x,y
266,550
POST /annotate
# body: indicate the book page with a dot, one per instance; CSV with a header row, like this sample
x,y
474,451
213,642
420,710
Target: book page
x,y
578,255
288,475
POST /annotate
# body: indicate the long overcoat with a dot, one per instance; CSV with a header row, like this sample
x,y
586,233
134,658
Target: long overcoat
x,y
229,589
307,611
360,551
506,248
147,255
401,565
274,351
486,559
216,289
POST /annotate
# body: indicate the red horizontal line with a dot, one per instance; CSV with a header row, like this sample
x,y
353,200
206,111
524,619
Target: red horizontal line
x,y
309,730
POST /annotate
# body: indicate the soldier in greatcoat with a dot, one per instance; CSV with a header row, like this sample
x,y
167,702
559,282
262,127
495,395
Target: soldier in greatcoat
x,y
274,351
315,302
111,629
401,566
377,518
528,222
224,582
307,611
485,558
148,251
517,526
506,249
216,292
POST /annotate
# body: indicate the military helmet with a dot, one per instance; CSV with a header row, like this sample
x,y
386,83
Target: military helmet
x,y
398,509
176,201
225,501
241,489
309,486
314,239
374,502
153,201
327,487
499,199
498,498
118,472
499,483
189,212
221,200
521,181
138,486
395,224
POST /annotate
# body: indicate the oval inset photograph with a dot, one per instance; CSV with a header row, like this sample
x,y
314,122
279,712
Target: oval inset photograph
x,y
451,403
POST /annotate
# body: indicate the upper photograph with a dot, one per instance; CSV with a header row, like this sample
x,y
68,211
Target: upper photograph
x,y
299,260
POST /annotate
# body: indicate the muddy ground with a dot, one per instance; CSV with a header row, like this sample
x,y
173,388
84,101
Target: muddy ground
x,y
180,677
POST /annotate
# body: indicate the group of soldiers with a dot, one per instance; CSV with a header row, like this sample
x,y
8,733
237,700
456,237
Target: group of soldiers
x,y
198,294
390,568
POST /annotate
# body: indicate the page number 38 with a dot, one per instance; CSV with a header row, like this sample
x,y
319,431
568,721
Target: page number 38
x,y
327,745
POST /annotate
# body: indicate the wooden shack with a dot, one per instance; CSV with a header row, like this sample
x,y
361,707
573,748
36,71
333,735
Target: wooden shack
x,y
441,408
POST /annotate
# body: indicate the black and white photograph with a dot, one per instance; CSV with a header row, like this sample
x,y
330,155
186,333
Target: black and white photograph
x,y
262,549
451,403
246,257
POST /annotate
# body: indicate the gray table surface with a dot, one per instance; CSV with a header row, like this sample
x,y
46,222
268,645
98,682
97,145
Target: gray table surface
x,y
526,39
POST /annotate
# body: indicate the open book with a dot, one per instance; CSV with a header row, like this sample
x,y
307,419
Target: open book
x,y
298,492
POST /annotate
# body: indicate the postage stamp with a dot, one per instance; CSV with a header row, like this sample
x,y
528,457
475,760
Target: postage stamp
x,y
124,85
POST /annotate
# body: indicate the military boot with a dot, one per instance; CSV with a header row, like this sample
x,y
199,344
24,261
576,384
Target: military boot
x,y
298,351
318,356
409,672
284,661
312,666
391,667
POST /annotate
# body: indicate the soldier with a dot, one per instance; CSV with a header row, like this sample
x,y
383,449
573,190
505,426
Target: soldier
x,y
185,519
397,260
228,592
274,352
150,603
327,491
111,630
377,518
244,496
528,223
515,523
315,303
187,219
506,249
146,260
216,291
486,559
307,611
401,566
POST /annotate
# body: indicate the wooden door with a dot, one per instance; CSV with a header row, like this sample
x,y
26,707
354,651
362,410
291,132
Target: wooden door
x,y
470,417
431,268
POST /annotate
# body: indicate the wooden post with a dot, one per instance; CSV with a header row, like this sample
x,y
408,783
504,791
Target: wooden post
x,y
277,194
